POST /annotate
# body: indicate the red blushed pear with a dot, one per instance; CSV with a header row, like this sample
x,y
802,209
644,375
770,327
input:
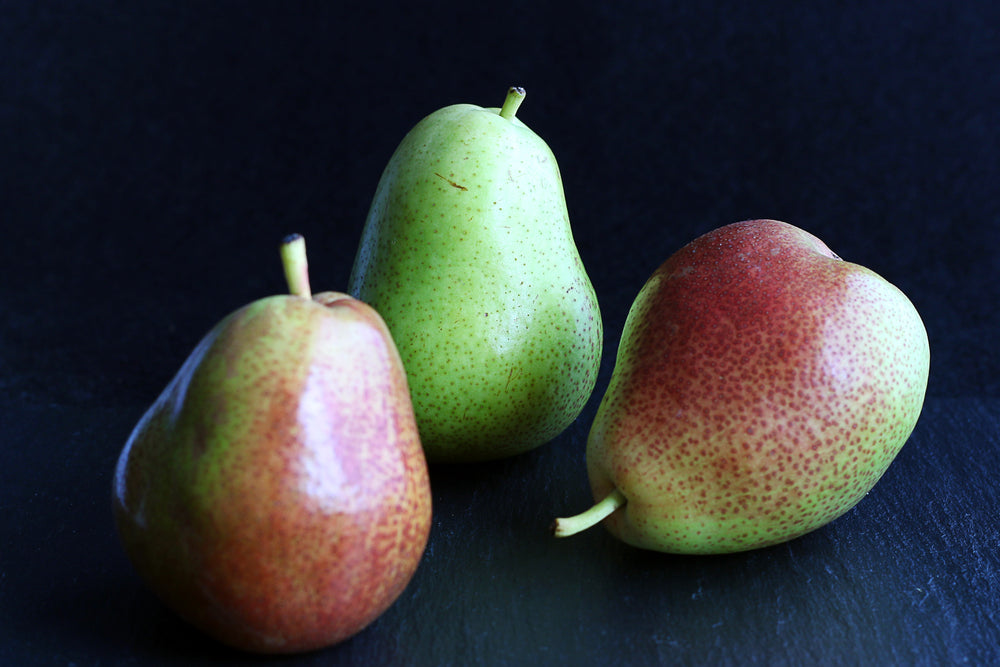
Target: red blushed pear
x,y
761,389
276,494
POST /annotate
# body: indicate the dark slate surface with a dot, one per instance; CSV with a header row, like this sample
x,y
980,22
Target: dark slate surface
x,y
152,155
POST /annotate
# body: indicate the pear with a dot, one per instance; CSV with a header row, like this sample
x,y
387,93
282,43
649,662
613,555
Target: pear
x,y
762,387
276,494
468,254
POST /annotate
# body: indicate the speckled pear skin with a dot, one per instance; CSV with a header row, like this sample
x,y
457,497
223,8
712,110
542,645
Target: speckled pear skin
x,y
468,254
762,387
276,494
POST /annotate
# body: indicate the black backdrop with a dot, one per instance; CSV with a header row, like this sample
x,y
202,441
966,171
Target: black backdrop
x,y
152,155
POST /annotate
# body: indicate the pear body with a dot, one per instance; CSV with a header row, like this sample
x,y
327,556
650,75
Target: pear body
x,y
468,254
276,494
762,387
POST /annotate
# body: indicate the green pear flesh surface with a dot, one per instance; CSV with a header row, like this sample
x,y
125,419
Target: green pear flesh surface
x,y
762,387
276,494
468,255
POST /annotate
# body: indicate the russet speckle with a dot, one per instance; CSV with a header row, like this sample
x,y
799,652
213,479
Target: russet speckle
x,y
762,387
276,494
481,285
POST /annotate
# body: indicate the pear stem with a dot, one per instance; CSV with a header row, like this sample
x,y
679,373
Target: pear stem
x,y
293,259
515,95
567,526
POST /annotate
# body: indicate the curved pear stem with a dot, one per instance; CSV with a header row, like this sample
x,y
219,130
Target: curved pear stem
x,y
293,259
515,95
567,526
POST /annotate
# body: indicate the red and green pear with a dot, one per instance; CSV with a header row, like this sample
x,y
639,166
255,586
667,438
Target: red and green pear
x,y
762,387
276,494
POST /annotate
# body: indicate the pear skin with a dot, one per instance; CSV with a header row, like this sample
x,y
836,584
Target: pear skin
x,y
762,387
468,255
276,494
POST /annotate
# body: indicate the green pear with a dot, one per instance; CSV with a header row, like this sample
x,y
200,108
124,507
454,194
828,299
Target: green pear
x,y
468,254
276,494
762,387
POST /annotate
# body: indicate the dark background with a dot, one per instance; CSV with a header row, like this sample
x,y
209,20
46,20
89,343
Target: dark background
x,y
153,154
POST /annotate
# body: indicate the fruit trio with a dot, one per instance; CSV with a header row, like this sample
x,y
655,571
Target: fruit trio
x,y
276,494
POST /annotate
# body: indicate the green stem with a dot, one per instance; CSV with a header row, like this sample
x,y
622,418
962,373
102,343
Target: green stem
x,y
293,259
567,526
515,95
